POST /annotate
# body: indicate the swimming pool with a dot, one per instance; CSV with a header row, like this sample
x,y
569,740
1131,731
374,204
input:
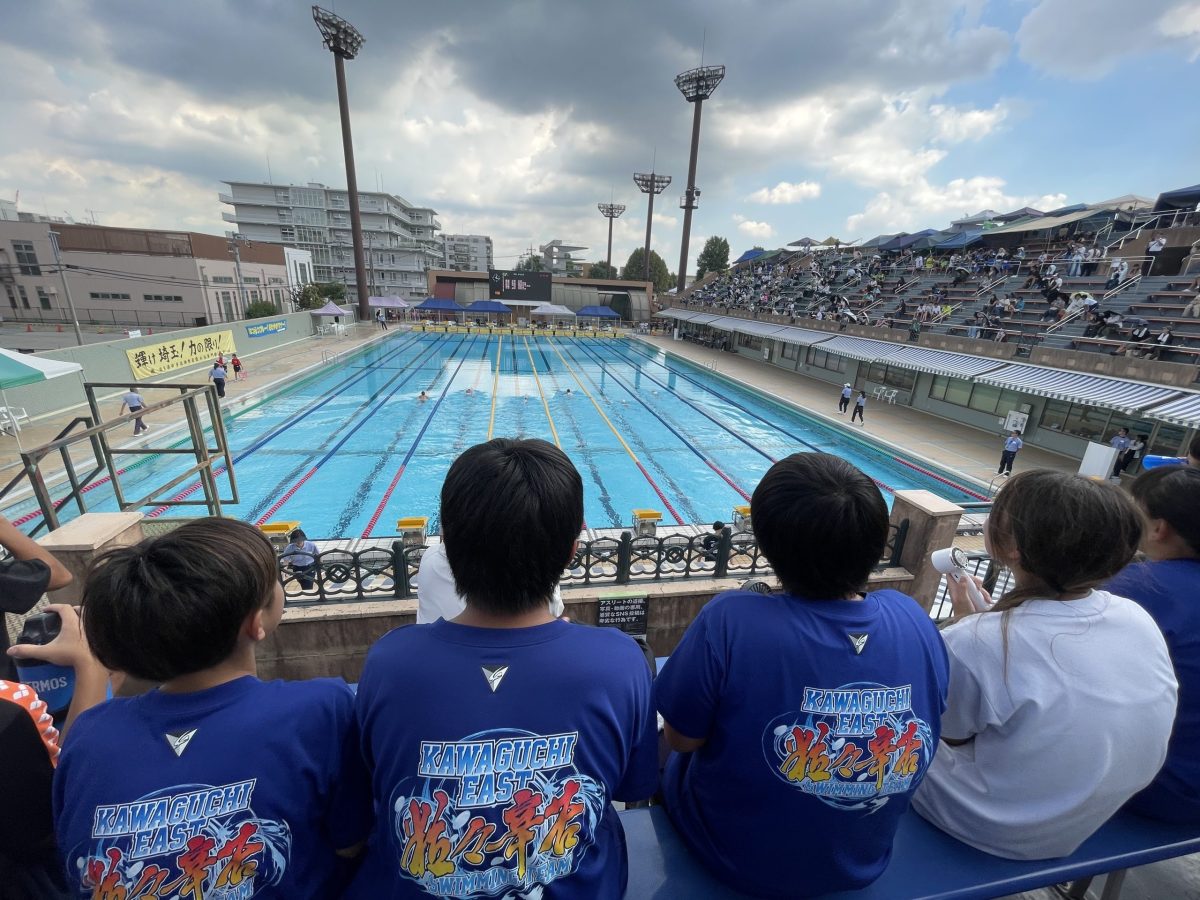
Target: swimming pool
x,y
349,449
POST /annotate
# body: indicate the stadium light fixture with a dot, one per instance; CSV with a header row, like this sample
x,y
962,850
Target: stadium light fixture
x,y
696,85
610,211
344,41
650,184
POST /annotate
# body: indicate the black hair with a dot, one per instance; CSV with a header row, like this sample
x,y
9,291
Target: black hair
x,y
718,525
298,535
821,523
511,513
173,605
1172,493
1069,533
1194,447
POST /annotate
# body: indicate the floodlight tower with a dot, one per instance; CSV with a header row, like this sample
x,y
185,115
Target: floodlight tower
x,y
610,211
344,41
650,184
696,85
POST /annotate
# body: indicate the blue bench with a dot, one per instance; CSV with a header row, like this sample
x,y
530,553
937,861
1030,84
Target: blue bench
x,y
927,864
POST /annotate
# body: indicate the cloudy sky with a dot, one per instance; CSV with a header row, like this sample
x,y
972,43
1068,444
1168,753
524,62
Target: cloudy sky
x,y
515,117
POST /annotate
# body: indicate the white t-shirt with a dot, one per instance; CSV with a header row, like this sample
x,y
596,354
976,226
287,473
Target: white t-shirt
x,y
1059,739
438,598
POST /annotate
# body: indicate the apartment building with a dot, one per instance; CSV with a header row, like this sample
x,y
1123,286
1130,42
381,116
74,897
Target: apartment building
x,y
467,252
400,239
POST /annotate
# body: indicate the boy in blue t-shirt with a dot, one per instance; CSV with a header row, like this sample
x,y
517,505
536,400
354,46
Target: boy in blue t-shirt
x,y
497,741
804,720
216,784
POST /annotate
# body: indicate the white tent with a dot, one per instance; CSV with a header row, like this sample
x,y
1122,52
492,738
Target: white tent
x,y
552,310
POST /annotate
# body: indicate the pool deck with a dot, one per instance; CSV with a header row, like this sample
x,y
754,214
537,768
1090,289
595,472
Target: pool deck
x,y
949,445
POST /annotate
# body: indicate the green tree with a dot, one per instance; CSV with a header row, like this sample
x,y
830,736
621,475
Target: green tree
x,y
659,274
602,270
317,294
260,309
714,257
531,263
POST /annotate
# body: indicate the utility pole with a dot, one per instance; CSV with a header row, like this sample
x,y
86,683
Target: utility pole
x,y
650,184
344,41
62,273
696,85
610,211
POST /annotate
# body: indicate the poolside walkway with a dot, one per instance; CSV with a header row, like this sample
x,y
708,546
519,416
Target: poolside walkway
x,y
950,445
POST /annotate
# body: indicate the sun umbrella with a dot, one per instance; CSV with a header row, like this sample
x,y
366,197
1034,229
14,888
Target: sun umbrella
x,y
17,369
330,309
831,242
803,242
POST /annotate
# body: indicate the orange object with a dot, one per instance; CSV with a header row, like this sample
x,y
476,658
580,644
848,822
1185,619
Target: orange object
x,y
58,328
29,328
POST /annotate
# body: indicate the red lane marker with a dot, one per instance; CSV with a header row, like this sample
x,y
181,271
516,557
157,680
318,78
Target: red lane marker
x,y
382,503
182,495
266,517
728,480
661,495
30,516
937,477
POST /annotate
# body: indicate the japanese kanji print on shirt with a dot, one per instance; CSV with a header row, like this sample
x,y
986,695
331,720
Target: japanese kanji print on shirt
x,y
195,842
495,814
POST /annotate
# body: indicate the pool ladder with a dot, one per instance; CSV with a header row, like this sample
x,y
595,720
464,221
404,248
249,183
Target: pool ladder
x,y
330,356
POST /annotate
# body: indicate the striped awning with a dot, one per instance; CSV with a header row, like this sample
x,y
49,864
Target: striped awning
x,y
803,336
1078,387
942,362
704,319
762,329
858,348
1185,411
683,315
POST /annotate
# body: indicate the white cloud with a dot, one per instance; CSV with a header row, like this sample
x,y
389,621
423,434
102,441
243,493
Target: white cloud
x,y
760,231
916,205
787,192
1077,41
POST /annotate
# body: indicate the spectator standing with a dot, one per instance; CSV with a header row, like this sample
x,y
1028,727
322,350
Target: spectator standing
x,y
133,401
847,393
1166,586
301,555
236,363
765,769
217,376
381,319
1128,457
1154,248
1120,441
1012,446
1055,659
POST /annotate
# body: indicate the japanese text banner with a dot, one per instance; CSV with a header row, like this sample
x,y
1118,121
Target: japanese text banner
x,y
183,353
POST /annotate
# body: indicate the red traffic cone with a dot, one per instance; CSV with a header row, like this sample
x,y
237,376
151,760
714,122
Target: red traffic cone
x,y
58,328
149,331
29,328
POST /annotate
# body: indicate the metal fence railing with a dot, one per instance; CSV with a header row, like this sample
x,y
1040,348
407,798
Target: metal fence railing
x,y
390,571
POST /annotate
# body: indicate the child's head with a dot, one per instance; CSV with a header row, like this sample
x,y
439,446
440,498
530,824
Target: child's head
x,y
177,604
821,523
1193,454
297,536
500,496
1170,495
718,525
1062,534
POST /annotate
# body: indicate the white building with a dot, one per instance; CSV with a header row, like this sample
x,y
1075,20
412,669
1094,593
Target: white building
x,y
400,239
8,211
467,252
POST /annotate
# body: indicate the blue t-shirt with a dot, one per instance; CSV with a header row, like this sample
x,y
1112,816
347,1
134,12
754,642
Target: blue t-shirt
x,y
245,789
1013,444
1169,591
495,754
821,718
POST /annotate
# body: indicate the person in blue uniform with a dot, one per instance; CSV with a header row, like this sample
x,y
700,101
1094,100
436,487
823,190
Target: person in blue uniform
x,y
1012,445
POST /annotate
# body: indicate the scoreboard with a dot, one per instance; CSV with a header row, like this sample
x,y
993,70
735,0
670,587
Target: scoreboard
x,y
504,284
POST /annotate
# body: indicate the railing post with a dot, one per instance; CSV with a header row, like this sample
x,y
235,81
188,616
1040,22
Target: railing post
x,y
724,551
624,557
400,586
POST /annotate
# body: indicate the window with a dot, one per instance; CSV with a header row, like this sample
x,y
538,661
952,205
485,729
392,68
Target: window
x,y
162,298
820,359
892,376
24,296
108,296
1167,441
12,297
790,351
287,234
27,258
44,299
1075,419
250,279
222,279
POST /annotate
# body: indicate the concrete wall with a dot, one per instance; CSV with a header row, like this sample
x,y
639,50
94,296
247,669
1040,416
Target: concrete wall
x,y
108,362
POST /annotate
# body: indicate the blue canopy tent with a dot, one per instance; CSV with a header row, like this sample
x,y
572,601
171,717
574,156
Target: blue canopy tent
x,y
960,240
598,312
1183,198
440,305
489,307
748,255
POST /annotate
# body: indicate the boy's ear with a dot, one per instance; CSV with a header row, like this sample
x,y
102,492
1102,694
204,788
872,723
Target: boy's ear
x,y
255,626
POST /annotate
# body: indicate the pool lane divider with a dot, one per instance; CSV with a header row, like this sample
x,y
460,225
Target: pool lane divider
x,y
294,419
687,443
542,395
387,495
637,462
328,455
882,485
495,388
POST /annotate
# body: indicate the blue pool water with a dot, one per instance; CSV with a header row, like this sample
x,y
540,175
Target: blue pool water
x,y
350,449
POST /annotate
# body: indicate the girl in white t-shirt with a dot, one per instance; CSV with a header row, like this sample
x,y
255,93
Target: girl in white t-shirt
x,y
1062,696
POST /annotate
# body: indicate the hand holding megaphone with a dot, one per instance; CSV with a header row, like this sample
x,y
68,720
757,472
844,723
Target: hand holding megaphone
x,y
952,562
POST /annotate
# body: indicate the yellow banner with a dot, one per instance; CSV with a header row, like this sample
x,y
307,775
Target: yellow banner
x,y
182,353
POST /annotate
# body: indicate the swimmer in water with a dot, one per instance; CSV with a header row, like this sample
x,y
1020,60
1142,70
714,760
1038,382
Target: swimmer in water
x,y
423,397
469,391
568,390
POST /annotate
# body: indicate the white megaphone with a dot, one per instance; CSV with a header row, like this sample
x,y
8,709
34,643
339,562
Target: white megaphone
x,y
952,562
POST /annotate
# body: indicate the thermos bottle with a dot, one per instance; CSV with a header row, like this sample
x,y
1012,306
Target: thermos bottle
x,y
54,684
